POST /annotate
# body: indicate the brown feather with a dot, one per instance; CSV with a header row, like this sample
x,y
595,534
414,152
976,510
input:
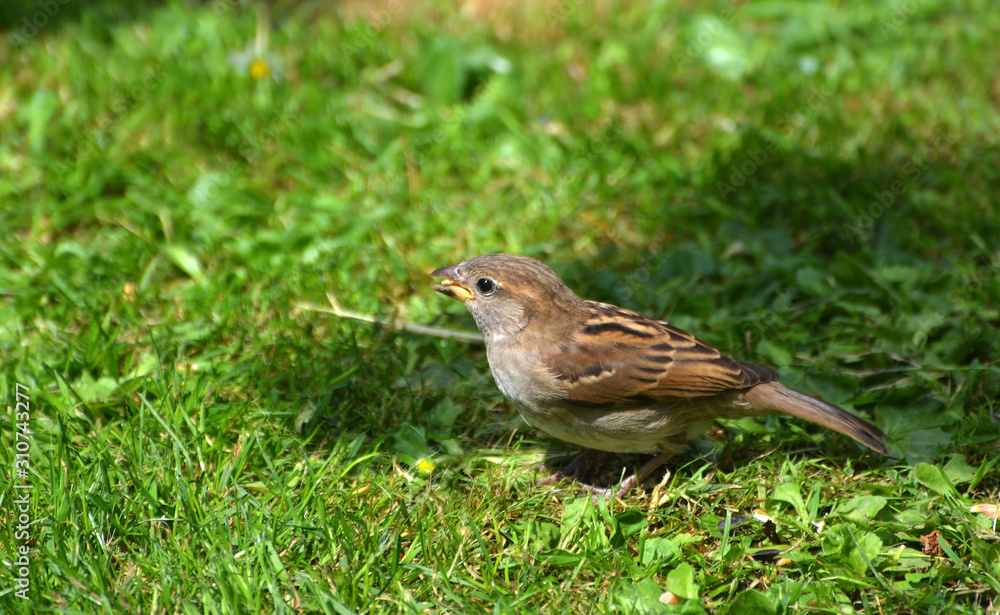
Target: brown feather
x,y
619,356
774,398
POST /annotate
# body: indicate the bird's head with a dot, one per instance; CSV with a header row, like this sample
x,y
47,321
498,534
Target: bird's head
x,y
505,292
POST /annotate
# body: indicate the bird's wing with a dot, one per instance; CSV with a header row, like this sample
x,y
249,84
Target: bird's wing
x,y
618,358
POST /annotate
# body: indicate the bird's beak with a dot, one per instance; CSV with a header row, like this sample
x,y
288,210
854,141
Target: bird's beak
x,y
452,284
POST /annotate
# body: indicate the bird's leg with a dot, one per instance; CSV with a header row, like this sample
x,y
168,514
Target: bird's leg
x,y
574,469
630,482
647,468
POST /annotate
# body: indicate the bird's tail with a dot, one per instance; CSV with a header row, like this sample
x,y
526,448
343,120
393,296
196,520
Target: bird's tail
x,y
771,397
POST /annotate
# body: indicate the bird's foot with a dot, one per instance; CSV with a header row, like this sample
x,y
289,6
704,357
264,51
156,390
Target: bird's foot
x,y
631,481
618,491
576,468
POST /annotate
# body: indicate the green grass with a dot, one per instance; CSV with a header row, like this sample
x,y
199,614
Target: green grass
x,y
807,185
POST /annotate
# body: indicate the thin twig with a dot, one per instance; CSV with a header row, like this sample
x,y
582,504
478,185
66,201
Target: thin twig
x,y
409,327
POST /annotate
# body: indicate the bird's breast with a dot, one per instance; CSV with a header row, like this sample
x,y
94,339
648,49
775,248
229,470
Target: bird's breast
x,y
520,376
524,380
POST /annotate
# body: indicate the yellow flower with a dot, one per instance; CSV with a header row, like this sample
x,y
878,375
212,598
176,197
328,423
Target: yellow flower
x,y
254,58
259,68
425,466
258,65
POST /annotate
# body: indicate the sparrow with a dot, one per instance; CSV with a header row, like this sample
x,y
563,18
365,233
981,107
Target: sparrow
x,y
608,379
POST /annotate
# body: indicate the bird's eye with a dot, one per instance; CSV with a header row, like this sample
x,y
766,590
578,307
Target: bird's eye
x,y
486,286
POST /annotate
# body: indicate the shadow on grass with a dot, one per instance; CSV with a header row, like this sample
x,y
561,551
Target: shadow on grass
x,y
23,20
608,470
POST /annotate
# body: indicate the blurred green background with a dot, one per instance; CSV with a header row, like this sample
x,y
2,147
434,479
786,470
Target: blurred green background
x,y
811,185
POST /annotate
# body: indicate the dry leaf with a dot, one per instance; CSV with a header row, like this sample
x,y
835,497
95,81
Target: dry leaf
x,y
931,545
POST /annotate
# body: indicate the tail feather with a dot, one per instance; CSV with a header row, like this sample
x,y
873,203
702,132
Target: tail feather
x,y
771,397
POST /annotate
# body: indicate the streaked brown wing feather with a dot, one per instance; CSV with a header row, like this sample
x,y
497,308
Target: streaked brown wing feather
x,y
622,359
